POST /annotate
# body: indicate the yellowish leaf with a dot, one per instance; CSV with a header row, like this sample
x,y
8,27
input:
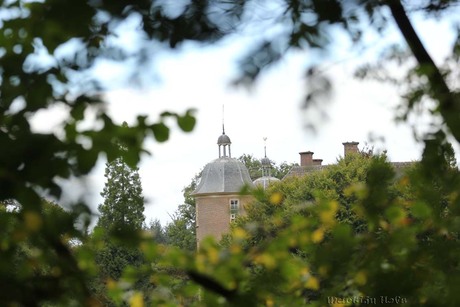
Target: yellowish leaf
x,y
267,260
312,283
276,198
111,284
361,278
317,235
32,220
239,233
327,216
269,302
213,255
323,270
137,300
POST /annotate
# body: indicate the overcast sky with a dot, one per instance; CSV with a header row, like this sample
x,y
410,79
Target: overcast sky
x,y
199,78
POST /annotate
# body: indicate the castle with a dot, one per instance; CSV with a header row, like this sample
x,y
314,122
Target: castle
x,y
218,197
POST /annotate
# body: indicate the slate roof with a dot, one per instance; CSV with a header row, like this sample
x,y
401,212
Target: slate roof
x,y
265,181
300,171
223,175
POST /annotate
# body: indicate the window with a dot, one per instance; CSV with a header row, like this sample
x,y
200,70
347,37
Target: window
x,y
234,205
234,208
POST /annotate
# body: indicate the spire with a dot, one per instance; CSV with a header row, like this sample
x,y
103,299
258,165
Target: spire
x,y
223,141
266,178
265,146
223,119
266,164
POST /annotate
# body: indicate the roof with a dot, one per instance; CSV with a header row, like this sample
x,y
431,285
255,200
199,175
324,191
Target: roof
x,y
266,162
300,171
265,181
223,139
223,175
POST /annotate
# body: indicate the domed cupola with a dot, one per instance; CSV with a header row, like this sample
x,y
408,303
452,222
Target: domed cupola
x,y
224,144
266,178
266,163
225,174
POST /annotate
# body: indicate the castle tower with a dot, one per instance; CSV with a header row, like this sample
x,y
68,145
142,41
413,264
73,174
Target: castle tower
x,y
218,198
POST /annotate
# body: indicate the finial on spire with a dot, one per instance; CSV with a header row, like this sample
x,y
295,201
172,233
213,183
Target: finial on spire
x,y
223,119
265,146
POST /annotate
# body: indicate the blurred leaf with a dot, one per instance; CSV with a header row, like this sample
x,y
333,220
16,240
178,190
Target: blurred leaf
x,y
160,131
186,122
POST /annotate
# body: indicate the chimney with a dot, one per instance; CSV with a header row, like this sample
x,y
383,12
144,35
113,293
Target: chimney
x,y
317,161
306,158
350,148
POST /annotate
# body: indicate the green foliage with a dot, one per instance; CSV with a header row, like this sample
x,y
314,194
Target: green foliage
x,y
33,261
275,209
254,167
121,221
37,75
157,231
181,232
123,205
392,257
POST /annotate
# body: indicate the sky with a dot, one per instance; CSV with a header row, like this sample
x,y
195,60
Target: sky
x,y
199,78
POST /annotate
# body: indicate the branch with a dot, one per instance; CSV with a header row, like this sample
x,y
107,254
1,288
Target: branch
x,y
211,285
449,105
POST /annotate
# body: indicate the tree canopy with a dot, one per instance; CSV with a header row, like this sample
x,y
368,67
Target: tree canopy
x,y
123,205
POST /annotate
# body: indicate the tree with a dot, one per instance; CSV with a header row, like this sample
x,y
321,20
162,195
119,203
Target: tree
x,y
122,215
158,233
254,167
296,194
123,205
35,260
32,31
312,222
181,232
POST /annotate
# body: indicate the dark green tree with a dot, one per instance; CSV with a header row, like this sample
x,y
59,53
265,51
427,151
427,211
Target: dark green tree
x,y
123,205
181,231
158,232
121,217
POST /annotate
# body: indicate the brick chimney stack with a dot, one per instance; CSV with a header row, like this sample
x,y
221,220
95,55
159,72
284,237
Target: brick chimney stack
x,y
317,161
350,147
306,158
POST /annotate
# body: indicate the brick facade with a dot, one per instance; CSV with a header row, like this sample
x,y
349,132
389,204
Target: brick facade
x,y
213,214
